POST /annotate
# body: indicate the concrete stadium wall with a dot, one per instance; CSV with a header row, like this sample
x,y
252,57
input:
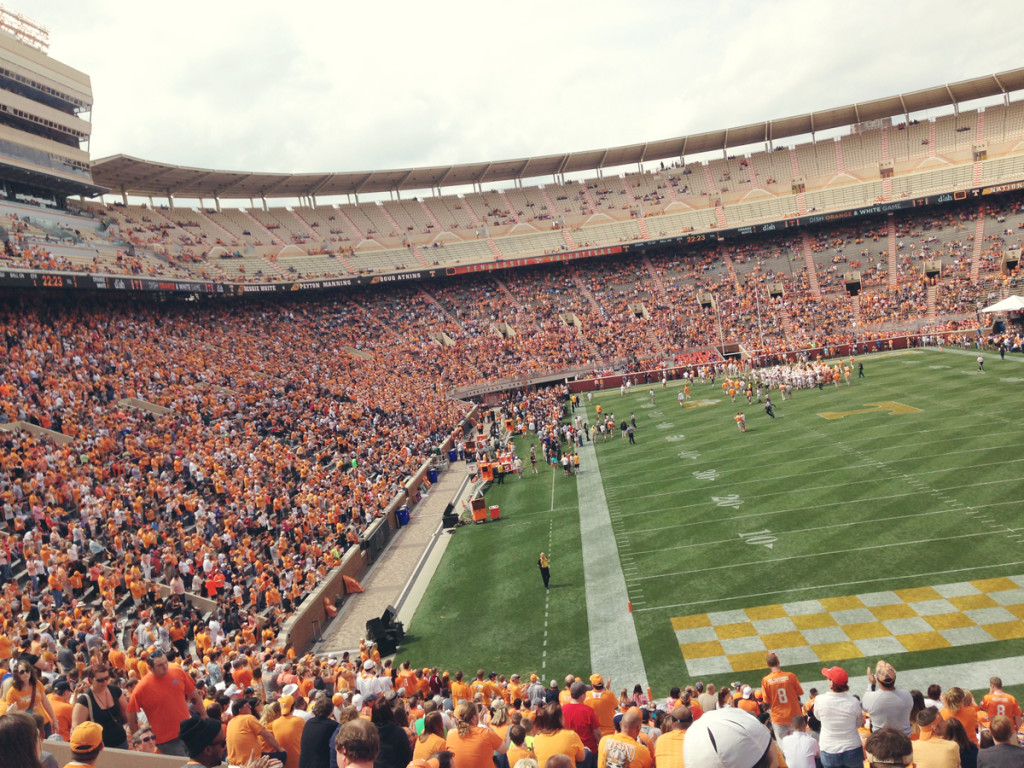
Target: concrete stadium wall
x,y
115,758
301,628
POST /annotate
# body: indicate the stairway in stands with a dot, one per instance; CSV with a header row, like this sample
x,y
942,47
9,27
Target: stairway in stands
x,y
438,306
787,323
420,257
932,151
636,206
432,218
892,278
794,164
346,263
976,176
670,189
552,208
569,242
656,344
301,225
801,203
720,215
591,203
226,236
494,248
351,224
885,144
840,165
474,219
397,230
710,181
659,284
979,129
314,231
515,301
510,208
855,309
589,295
812,273
933,293
979,246
887,188
255,225
727,260
752,173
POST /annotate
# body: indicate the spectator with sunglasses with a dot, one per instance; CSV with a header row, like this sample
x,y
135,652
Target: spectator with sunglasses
x,y
104,704
144,740
26,694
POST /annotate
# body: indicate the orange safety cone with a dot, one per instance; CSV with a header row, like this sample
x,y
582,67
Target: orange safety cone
x,y
629,604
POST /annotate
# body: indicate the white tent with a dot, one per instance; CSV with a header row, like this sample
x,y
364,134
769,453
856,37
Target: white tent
x,y
1009,304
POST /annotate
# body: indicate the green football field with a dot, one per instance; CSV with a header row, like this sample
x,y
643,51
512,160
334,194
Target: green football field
x,y
880,519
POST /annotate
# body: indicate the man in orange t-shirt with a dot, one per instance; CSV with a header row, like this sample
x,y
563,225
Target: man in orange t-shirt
x,y
163,694
603,702
782,692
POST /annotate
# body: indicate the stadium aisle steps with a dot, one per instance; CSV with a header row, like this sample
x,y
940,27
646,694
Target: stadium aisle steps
x,y
979,244
510,208
351,224
431,217
568,239
812,272
893,273
420,257
659,284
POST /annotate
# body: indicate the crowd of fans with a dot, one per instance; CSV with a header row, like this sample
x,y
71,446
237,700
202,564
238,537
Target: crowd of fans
x,y
262,437
264,711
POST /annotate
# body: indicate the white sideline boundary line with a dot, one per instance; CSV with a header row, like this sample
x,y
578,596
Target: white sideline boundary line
x,y
614,645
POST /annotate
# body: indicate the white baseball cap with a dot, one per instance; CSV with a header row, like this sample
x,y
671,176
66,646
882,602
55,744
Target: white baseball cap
x,y
725,738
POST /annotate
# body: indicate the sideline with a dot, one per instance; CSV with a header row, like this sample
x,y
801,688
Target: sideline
x,y
614,646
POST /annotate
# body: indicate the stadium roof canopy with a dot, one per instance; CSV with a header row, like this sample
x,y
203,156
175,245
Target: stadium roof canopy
x,y
132,176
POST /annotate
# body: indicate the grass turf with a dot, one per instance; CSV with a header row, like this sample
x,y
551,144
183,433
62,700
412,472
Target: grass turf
x,y
871,501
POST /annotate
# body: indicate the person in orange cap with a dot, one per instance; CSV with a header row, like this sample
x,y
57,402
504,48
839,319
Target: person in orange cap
x,y
86,744
603,702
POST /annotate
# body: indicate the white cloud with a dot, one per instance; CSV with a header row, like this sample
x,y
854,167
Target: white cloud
x,y
341,86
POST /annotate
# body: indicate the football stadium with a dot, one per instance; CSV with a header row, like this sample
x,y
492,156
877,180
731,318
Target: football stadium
x,y
547,458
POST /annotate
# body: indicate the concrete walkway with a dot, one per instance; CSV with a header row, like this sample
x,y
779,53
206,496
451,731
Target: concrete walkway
x,y
614,646
399,564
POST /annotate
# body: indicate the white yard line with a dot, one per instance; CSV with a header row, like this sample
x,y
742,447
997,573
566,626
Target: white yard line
x,y
614,646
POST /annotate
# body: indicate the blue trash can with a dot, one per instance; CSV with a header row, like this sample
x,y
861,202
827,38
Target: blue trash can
x,y
453,455
432,475
403,516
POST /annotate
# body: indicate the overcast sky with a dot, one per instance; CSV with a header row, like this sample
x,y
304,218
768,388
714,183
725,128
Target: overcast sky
x,y
357,84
